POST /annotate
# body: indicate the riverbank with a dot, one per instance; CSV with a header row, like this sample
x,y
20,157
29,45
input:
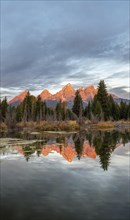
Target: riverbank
x,y
65,126
111,125
43,126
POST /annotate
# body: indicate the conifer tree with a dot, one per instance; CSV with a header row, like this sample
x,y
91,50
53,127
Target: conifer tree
x,y
4,108
123,110
96,108
59,111
39,109
102,97
78,105
19,113
87,111
11,117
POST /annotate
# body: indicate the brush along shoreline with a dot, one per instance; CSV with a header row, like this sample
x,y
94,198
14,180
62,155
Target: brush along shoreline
x,y
68,126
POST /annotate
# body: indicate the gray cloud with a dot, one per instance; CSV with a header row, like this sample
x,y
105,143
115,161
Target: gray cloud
x,y
122,74
45,44
121,92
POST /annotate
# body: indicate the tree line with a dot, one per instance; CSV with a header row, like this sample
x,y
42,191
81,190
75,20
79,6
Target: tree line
x,y
102,107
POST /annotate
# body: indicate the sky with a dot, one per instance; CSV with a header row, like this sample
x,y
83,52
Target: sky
x,y
47,44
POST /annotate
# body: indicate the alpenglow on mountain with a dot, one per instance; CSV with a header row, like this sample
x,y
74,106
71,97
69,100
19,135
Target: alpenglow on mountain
x,y
67,93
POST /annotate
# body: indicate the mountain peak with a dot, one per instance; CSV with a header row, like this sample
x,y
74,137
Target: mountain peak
x,y
81,89
45,94
68,91
68,86
19,98
45,91
90,88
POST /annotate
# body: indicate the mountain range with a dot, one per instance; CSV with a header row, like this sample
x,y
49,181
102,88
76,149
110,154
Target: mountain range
x,y
67,93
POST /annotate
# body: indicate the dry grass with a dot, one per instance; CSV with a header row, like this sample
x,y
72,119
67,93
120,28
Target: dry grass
x,y
64,125
49,126
110,124
57,126
26,124
103,125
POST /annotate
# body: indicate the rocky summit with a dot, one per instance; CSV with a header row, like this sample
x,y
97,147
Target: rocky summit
x,y
67,93
18,99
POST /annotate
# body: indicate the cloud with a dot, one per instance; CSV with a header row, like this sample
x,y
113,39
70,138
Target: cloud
x,y
122,74
122,91
79,42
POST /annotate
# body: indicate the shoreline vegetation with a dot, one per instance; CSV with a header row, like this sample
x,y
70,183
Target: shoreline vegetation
x,y
69,126
33,114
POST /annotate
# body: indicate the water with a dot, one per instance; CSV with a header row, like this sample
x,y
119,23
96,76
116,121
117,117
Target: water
x,y
65,176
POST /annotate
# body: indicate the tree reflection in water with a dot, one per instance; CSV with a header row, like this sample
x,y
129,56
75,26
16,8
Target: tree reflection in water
x,y
82,144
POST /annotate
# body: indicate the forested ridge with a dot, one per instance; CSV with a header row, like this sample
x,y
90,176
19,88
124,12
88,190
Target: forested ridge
x,y
102,107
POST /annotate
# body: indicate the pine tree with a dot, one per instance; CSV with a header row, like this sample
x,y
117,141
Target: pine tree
x,y
39,109
4,108
96,108
26,108
87,111
11,118
64,110
123,110
78,105
69,115
32,102
111,105
19,113
102,97
59,111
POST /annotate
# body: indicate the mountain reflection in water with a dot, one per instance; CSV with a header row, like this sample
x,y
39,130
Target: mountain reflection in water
x,y
80,145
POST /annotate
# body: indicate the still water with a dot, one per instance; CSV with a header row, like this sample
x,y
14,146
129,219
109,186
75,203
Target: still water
x,y
83,176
